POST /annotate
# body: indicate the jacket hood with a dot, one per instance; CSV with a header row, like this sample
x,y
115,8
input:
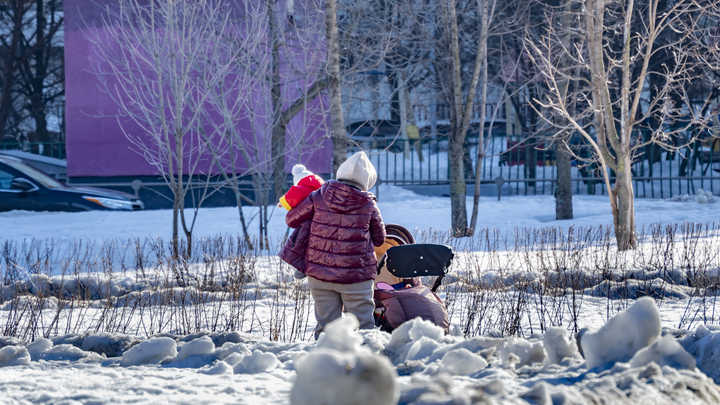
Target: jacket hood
x,y
358,171
341,197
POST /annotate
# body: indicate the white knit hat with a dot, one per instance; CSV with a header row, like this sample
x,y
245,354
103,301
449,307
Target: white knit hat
x,y
358,171
298,172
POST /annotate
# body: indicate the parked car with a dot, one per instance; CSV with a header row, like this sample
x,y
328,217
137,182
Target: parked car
x,y
23,187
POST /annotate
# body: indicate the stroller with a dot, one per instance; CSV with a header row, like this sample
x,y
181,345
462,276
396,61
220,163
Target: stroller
x,y
399,295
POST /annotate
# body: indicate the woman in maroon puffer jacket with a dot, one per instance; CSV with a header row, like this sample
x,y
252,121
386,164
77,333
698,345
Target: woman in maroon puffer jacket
x,y
340,256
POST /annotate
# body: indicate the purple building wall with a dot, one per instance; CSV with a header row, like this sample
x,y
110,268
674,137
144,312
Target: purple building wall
x,y
95,142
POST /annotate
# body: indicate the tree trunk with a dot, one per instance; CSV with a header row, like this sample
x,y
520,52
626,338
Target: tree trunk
x,y
458,209
563,193
624,220
176,211
486,16
36,98
238,200
9,65
278,161
531,146
337,121
563,158
277,145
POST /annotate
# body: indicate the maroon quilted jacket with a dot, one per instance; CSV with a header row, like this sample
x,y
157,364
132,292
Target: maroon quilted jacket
x,y
346,225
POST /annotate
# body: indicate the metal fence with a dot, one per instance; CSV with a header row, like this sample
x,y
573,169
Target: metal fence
x,y
49,149
657,173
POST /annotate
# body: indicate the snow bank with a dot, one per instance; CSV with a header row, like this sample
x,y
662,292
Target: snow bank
x,y
627,332
109,344
704,345
461,362
65,352
341,372
665,352
419,365
341,336
38,347
559,345
518,352
700,197
151,351
199,346
218,368
415,339
14,356
257,362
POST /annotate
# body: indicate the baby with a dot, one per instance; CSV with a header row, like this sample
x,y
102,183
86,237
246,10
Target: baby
x,y
293,252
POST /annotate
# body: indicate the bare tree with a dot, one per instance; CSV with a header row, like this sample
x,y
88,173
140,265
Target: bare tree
x,y
262,98
610,58
32,81
337,121
159,61
486,17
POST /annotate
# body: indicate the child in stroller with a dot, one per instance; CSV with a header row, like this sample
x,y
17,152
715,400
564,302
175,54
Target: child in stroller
x,y
399,295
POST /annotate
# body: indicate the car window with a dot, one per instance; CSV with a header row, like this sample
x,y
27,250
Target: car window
x,y
34,174
5,180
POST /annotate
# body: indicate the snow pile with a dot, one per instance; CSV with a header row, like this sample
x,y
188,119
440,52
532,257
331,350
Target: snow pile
x,y
461,362
627,362
518,352
414,340
665,352
341,372
558,345
65,352
38,347
623,335
704,345
199,346
257,362
151,351
109,344
700,197
14,356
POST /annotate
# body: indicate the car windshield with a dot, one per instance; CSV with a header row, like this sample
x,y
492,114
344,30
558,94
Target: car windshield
x,y
34,174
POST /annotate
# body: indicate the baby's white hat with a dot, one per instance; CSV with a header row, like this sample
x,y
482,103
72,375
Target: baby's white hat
x,y
298,172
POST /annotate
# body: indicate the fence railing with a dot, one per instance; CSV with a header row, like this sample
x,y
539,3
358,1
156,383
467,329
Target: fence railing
x,y
657,173
49,149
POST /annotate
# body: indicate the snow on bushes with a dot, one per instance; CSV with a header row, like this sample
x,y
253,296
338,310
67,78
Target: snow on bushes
x,y
623,335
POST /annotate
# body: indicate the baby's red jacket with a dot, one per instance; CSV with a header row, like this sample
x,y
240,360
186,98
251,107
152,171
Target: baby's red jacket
x,y
299,192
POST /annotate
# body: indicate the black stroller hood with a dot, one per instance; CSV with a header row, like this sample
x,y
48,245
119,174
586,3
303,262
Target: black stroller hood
x,y
418,260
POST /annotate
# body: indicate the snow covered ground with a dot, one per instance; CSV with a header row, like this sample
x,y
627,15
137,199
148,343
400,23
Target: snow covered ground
x,y
396,204
638,356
